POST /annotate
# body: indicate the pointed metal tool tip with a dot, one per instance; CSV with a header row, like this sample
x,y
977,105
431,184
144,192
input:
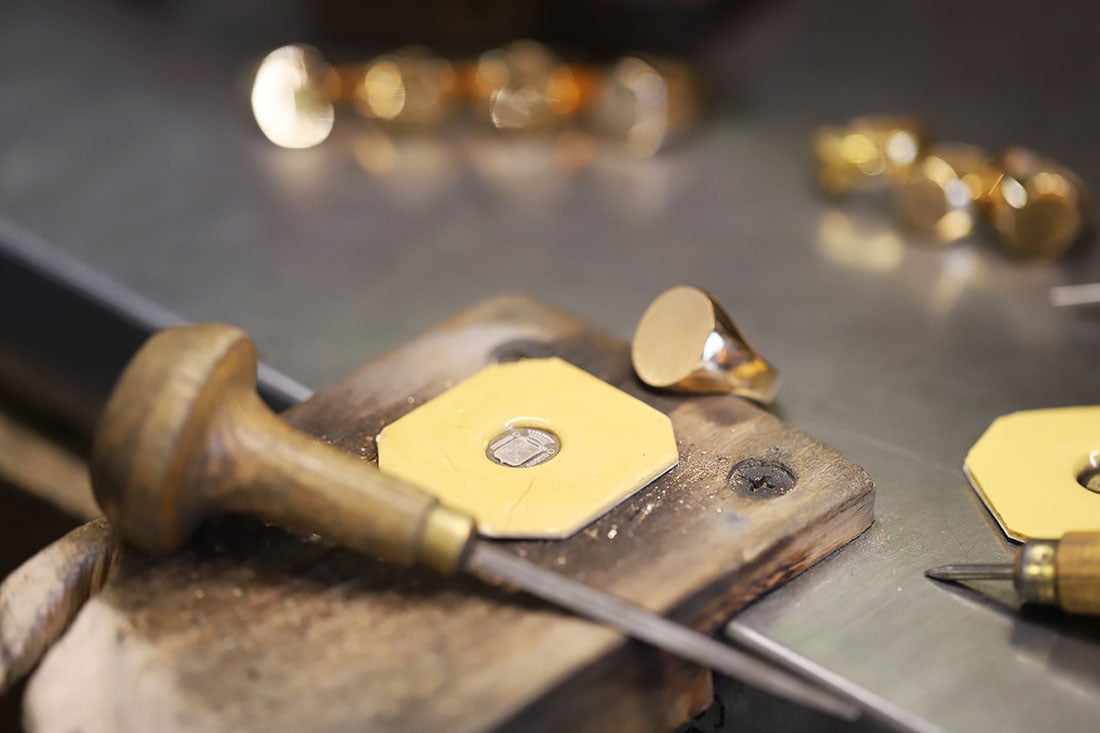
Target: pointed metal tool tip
x,y
939,573
955,573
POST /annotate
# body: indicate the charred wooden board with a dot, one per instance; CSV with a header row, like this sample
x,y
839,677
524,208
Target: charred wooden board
x,y
251,628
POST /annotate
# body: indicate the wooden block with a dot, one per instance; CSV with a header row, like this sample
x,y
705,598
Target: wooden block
x,y
251,628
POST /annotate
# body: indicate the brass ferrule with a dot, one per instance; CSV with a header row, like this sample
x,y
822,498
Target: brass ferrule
x,y
446,537
1035,572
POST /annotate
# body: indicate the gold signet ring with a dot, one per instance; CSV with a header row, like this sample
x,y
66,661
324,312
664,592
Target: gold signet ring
x,y
686,342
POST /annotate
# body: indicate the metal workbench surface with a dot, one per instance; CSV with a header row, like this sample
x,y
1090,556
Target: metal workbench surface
x,y
125,143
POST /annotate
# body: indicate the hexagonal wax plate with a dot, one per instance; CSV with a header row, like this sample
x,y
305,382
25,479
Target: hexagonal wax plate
x,y
535,448
1033,470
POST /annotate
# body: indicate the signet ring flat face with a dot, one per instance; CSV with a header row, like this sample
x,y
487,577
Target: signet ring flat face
x,y
686,342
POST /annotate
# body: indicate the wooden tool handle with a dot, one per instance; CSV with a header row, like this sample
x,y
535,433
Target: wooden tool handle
x,y
42,596
185,435
1077,572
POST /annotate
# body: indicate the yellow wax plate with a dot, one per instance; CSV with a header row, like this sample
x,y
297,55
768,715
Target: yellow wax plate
x,y
1026,468
535,448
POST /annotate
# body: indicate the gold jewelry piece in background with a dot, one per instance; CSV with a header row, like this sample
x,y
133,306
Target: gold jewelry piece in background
x,y
290,97
1036,208
634,106
867,152
409,88
943,194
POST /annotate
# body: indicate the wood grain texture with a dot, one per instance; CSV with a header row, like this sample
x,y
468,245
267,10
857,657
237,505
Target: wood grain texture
x,y
1077,569
250,628
43,595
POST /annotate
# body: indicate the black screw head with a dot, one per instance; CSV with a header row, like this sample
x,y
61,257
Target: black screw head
x,y
761,478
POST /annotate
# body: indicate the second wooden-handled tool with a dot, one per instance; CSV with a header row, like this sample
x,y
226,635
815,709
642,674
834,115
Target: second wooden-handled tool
x,y
1063,573
184,435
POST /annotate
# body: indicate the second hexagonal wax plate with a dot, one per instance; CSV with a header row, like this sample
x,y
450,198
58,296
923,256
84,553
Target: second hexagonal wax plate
x,y
535,448
1038,471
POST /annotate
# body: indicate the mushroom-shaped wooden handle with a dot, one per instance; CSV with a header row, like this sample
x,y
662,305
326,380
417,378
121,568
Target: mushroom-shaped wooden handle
x,y
184,435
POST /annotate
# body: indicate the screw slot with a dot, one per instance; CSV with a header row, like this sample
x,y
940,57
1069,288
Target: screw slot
x,y
762,478
523,447
1090,475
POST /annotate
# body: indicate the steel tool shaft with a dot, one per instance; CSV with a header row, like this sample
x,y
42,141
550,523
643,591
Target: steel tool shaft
x,y
184,435
638,623
1063,573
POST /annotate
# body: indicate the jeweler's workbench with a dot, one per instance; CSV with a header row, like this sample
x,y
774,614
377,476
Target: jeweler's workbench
x,y
247,616
898,356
